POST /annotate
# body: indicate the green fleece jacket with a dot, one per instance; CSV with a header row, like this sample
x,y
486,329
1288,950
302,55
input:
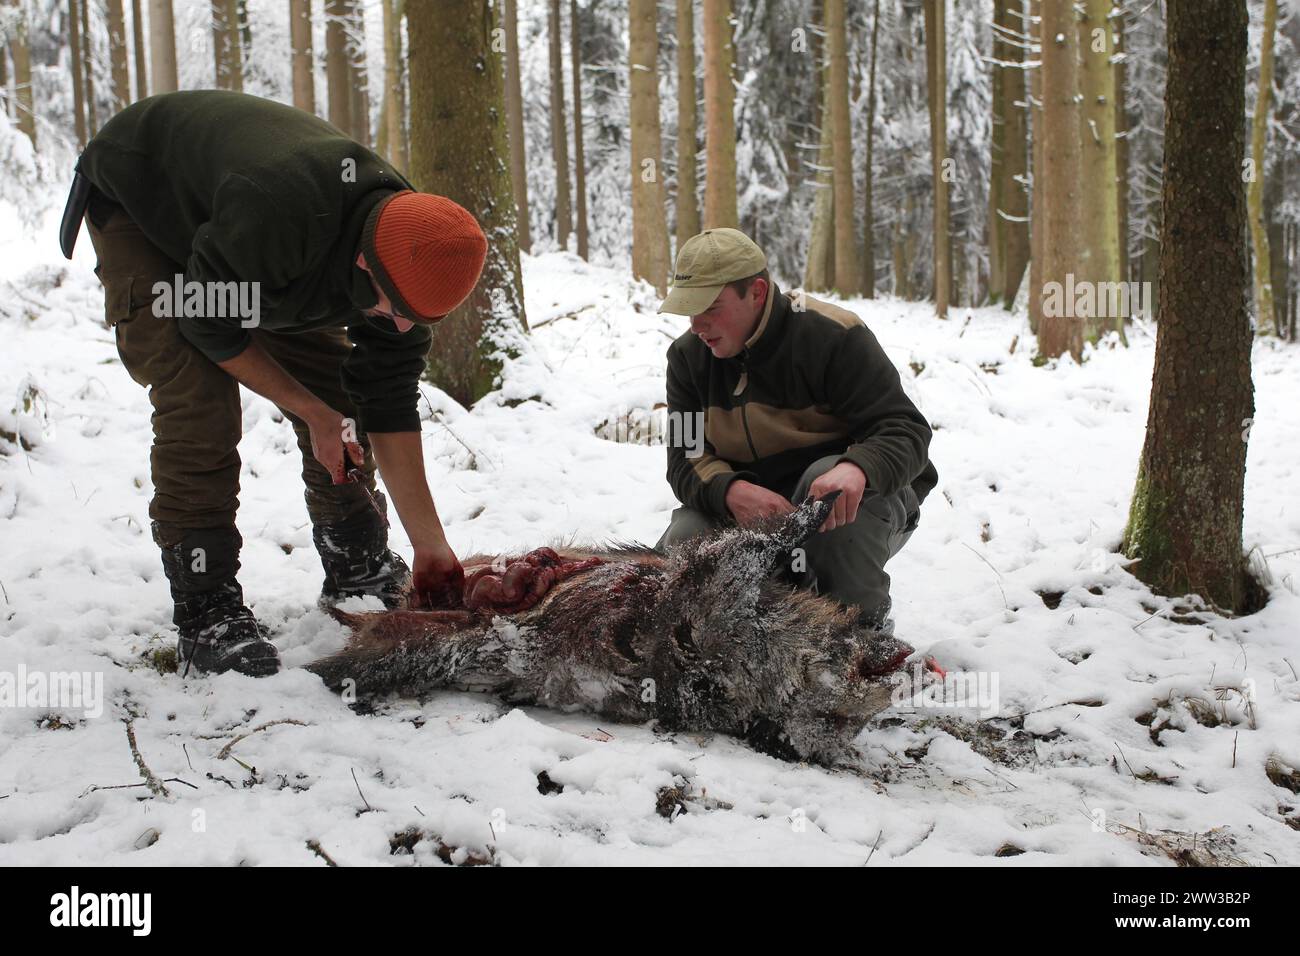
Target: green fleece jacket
x,y
810,382
234,187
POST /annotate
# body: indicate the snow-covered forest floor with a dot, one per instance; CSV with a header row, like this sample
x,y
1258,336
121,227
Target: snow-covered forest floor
x,y
1121,715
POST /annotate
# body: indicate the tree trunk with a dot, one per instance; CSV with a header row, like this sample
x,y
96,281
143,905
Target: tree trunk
x,y
1264,321
1038,219
138,45
393,121
559,129
688,205
75,61
846,253
303,65
649,227
88,66
1099,229
936,58
1121,144
515,122
995,235
459,150
1014,205
1274,200
579,151
337,79
227,57
121,72
818,270
1274,191
360,81
719,118
868,277
1185,521
1059,332
20,52
162,47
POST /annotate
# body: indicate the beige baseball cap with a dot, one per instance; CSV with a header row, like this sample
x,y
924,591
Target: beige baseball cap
x,y
705,264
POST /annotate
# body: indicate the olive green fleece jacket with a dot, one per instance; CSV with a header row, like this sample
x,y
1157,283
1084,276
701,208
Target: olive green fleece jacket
x,y
234,187
810,382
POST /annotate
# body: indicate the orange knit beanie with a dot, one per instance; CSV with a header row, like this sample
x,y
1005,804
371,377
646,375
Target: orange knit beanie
x,y
425,252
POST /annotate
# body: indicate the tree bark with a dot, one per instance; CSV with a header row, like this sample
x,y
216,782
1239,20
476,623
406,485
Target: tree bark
x,y
1014,193
138,46
337,78
846,253
20,53
559,129
649,226
936,56
162,47
819,270
459,150
117,50
1264,317
868,277
719,118
393,125
1185,522
688,206
1121,143
360,80
995,235
579,151
88,66
227,58
1059,331
1099,174
1038,219
515,121
75,61
303,65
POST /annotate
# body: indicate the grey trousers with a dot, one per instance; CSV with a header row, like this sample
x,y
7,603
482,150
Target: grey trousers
x,y
849,562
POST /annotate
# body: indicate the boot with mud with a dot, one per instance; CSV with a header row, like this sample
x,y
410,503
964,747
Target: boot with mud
x,y
354,553
218,633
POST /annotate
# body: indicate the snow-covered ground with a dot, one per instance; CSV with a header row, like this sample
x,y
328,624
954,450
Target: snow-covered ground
x,y
1120,714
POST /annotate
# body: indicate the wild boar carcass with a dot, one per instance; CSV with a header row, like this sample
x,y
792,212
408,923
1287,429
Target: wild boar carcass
x,y
709,637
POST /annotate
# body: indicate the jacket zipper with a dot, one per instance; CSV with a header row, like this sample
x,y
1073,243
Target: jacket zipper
x,y
743,386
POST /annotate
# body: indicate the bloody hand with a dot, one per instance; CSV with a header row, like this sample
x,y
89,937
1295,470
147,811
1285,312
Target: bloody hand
x,y
437,580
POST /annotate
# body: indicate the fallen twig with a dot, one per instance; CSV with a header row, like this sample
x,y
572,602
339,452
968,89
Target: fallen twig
x,y
155,785
363,796
873,847
225,751
315,847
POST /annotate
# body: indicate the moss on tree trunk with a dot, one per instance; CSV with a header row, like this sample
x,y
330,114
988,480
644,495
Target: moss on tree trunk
x,y
1185,523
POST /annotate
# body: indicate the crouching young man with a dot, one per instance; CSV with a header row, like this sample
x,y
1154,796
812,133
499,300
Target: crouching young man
x,y
797,398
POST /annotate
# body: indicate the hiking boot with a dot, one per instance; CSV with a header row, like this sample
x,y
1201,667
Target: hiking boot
x,y
218,632
357,562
